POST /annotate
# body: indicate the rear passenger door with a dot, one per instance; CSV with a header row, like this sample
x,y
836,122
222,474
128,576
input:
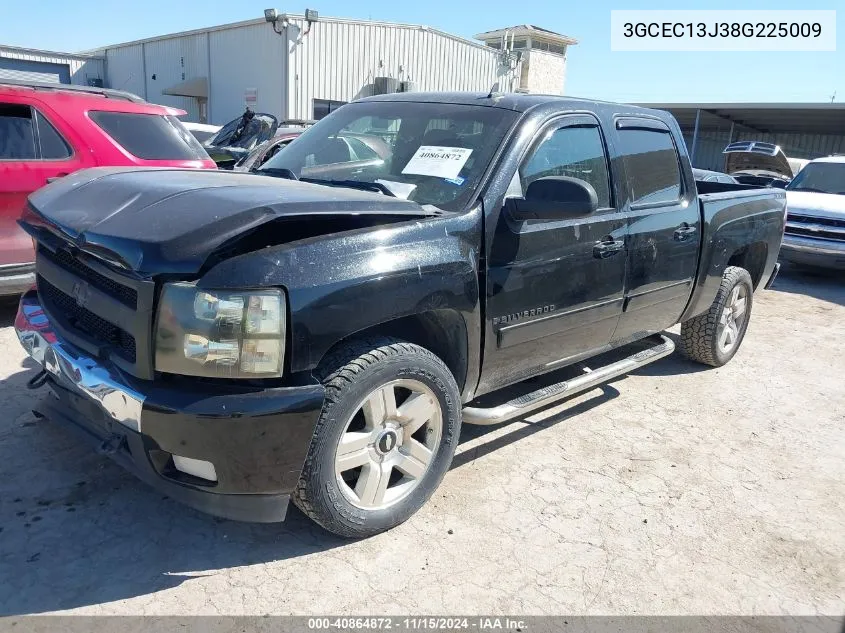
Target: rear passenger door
x,y
664,229
32,152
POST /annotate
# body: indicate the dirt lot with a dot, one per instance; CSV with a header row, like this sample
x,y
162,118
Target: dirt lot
x,y
676,490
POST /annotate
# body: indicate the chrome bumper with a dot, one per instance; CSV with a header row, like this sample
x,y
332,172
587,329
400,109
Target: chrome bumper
x,y
73,369
813,246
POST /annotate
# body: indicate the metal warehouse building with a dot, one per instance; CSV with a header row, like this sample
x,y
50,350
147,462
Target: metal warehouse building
x,y
296,68
25,64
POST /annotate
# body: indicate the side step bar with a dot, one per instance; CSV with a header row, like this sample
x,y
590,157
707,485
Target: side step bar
x,y
529,402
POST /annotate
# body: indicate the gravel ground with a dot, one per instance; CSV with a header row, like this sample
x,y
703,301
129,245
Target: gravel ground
x,y
675,490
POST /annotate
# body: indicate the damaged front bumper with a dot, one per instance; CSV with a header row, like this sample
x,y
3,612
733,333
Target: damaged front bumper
x,y
230,451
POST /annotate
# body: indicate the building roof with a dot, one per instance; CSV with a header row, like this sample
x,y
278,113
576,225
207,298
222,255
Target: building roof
x,y
19,50
774,118
290,16
527,30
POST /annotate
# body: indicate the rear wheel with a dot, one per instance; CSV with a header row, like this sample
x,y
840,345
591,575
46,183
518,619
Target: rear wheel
x,y
714,337
385,438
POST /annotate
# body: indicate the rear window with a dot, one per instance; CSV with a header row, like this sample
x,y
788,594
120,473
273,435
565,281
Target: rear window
x,y
150,136
651,165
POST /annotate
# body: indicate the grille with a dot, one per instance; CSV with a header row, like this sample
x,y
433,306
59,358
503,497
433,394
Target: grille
x,y
127,296
65,307
820,228
811,220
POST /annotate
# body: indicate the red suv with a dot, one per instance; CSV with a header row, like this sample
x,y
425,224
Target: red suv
x,y
49,131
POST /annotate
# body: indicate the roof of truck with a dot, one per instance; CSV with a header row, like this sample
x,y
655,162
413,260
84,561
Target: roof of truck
x,y
519,102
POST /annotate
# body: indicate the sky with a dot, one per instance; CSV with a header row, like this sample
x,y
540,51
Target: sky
x,y
593,71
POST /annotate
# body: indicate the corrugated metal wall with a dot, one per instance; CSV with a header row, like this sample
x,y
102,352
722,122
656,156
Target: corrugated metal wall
x,y
80,69
247,58
340,60
244,58
170,62
125,69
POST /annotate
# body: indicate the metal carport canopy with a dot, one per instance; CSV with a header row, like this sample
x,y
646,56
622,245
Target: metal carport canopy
x,y
774,118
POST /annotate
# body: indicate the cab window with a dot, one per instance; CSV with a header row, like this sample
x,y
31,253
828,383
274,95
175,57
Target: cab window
x,y
576,151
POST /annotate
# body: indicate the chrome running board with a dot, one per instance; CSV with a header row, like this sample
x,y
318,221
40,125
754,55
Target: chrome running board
x,y
529,402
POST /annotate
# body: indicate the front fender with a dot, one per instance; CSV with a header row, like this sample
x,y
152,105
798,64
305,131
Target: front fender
x,y
342,283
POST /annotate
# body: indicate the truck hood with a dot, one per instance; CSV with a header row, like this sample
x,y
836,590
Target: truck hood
x,y
751,156
829,206
171,221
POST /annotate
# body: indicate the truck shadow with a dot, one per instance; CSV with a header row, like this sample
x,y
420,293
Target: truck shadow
x,y
819,283
76,530
471,432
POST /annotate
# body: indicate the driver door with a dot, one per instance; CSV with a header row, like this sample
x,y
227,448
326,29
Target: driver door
x,y
555,287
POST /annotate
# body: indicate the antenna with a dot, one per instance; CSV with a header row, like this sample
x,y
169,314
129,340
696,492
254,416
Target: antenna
x,y
493,90
833,97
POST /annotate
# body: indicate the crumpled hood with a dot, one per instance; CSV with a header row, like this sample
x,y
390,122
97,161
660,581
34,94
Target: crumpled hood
x,y
165,220
747,156
830,206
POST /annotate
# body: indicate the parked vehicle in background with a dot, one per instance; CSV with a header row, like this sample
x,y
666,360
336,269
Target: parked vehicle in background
x,y
285,133
705,175
815,223
48,131
762,164
239,137
350,152
320,331
201,131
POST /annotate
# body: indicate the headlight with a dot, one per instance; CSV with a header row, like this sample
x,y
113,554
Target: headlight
x,y
220,334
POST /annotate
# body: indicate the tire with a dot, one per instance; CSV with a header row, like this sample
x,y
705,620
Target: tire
x,y
358,379
703,337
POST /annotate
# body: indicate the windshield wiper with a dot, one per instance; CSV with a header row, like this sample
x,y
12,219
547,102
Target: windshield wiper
x,y
278,172
376,187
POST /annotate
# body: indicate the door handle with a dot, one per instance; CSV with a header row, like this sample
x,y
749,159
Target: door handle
x,y
684,231
607,248
55,178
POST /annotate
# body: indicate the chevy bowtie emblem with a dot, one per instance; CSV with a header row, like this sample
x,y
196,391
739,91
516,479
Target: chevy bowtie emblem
x,y
81,293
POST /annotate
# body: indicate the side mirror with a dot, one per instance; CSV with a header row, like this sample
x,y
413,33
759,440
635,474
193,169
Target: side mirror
x,y
554,198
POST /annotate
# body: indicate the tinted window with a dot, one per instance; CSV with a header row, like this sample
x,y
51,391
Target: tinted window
x,y
323,107
17,139
53,146
651,164
150,136
577,152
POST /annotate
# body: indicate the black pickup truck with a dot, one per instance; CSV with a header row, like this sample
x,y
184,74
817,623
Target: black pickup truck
x,y
319,330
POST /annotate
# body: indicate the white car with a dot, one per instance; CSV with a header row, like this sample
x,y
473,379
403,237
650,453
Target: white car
x,y
815,223
201,131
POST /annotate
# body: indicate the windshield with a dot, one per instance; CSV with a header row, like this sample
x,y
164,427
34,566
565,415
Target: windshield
x,y
821,178
431,153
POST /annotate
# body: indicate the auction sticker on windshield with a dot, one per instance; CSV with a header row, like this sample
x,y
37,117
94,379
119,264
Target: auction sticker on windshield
x,y
437,161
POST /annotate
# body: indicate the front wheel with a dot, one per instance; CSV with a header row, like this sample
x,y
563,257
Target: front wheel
x,y
714,337
384,440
